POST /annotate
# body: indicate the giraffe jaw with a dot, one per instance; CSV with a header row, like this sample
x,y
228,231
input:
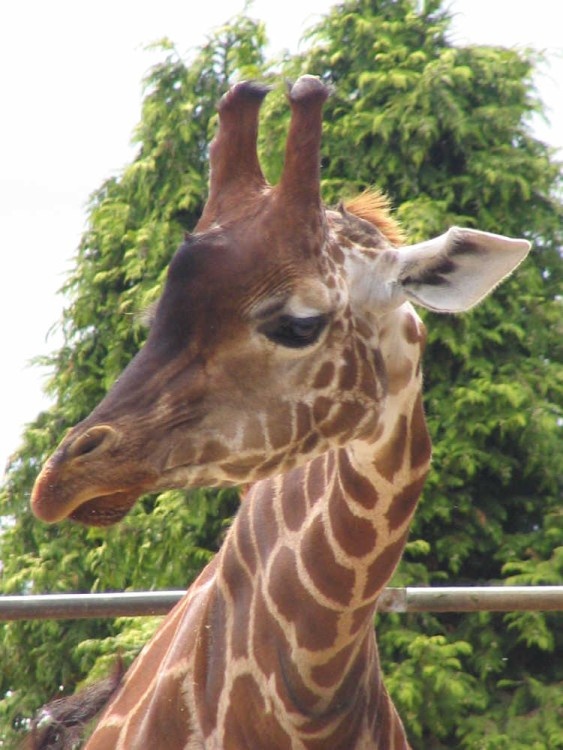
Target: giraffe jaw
x,y
104,510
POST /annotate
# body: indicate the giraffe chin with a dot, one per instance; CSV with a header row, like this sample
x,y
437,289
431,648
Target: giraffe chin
x,y
105,510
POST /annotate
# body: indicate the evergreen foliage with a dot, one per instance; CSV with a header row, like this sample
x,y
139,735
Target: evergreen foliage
x,y
444,130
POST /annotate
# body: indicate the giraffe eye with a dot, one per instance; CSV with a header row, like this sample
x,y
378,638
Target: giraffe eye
x,y
295,333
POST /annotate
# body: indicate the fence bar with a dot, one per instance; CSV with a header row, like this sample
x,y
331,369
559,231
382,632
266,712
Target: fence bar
x,y
412,599
473,599
87,606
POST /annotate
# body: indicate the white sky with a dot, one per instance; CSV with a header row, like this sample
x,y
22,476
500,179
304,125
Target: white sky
x,y
70,87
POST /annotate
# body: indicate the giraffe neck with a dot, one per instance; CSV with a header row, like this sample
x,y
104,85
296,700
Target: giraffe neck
x,y
283,618
308,555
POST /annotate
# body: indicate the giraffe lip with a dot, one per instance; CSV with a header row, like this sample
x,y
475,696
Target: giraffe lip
x,y
52,501
105,510
78,492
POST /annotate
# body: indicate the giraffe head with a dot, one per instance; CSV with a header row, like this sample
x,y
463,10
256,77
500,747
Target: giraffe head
x,y
282,329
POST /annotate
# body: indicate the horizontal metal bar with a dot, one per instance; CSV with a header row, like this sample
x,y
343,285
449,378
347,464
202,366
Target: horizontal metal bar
x,y
473,599
412,599
87,606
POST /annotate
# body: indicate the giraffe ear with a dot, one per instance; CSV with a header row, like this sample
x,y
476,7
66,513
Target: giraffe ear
x,y
455,271
450,273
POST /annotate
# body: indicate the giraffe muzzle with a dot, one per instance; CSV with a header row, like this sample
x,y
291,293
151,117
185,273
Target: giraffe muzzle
x,y
77,482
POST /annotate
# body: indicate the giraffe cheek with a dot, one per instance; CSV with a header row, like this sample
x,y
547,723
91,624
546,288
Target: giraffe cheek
x,y
279,430
212,452
180,454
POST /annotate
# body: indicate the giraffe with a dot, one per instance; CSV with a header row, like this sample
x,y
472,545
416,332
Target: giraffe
x,y
284,355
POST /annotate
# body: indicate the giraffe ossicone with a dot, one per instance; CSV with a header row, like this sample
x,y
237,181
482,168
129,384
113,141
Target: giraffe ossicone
x,y
285,354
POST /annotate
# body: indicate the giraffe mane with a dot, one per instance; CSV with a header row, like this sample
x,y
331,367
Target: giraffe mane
x,y
374,206
60,725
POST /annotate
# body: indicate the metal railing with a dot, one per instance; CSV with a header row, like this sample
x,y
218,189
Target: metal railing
x,y
410,599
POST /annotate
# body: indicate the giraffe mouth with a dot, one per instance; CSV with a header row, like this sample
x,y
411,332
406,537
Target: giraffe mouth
x,y
105,510
53,501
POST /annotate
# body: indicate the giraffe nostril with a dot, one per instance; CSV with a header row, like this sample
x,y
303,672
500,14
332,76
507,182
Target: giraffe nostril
x,y
101,437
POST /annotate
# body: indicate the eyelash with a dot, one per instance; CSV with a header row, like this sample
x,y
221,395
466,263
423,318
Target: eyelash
x,y
295,333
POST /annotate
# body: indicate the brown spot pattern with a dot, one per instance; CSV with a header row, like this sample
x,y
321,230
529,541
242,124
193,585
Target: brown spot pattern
x,y
356,486
391,456
348,372
210,663
316,478
240,589
421,446
380,370
404,503
356,536
271,651
369,385
246,701
359,619
289,595
294,508
310,443
331,578
213,451
411,330
321,409
268,466
303,421
244,540
253,437
324,376
383,566
345,712
264,523
279,430
344,420
382,722
329,673
400,375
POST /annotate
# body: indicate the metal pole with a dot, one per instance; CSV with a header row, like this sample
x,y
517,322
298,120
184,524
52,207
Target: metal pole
x,y
473,599
86,606
415,599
